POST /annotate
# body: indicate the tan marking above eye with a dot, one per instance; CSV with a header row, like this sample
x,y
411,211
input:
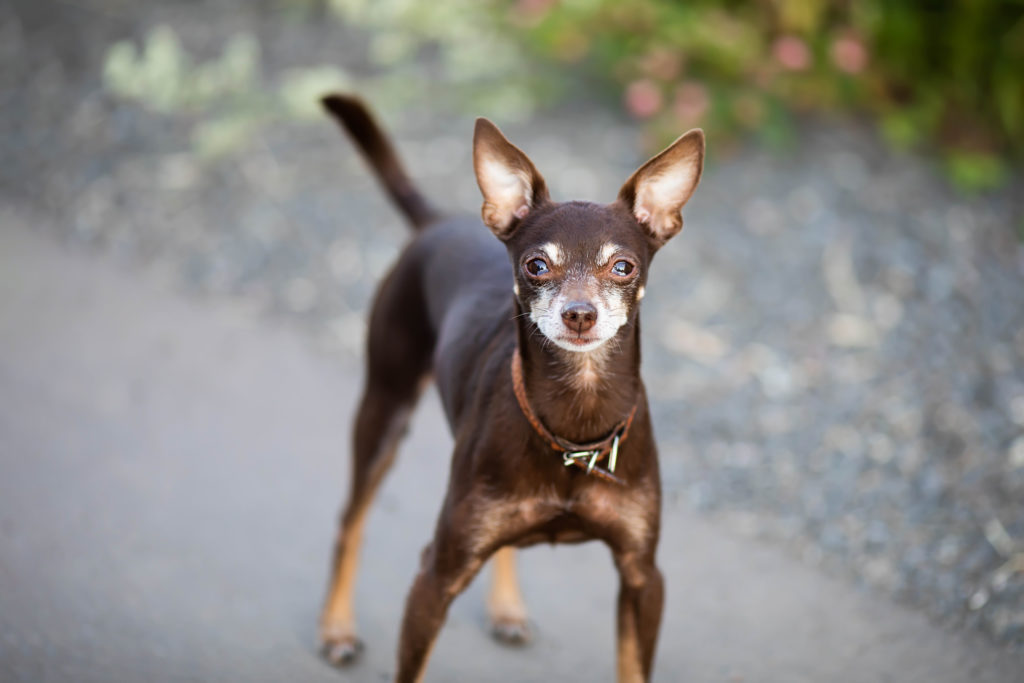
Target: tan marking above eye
x,y
606,253
554,253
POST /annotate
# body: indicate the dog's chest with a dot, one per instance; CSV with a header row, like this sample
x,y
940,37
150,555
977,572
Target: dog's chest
x,y
597,512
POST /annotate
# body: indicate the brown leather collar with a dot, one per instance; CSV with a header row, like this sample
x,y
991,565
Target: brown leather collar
x,y
585,455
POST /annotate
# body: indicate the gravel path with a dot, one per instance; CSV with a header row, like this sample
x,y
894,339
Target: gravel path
x,y
834,346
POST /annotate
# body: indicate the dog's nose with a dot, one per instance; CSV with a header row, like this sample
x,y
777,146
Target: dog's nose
x,y
579,316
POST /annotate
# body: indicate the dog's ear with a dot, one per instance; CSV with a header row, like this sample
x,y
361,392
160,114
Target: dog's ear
x,y
510,183
656,192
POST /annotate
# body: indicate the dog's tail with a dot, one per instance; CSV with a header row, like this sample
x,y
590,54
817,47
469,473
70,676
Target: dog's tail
x,y
355,118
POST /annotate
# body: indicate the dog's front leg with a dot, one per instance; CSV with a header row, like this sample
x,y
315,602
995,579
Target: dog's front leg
x,y
447,566
641,597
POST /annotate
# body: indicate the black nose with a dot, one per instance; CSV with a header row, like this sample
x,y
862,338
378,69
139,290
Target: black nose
x,y
579,316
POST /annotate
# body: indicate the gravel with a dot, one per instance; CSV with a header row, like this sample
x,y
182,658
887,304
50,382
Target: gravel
x,y
834,347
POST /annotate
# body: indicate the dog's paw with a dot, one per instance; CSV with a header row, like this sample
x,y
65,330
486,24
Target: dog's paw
x,y
513,631
341,650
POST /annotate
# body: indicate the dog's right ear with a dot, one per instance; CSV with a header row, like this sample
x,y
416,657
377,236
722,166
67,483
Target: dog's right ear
x,y
510,183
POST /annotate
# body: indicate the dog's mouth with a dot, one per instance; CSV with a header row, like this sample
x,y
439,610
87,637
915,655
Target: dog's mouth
x,y
579,342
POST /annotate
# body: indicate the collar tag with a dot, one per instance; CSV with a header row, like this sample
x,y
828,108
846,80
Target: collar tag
x,y
568,457
586,456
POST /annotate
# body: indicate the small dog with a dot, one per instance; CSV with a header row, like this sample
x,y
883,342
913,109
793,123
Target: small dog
x,y
536,352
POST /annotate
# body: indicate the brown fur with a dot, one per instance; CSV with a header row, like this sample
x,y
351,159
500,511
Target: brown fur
x,y
448,306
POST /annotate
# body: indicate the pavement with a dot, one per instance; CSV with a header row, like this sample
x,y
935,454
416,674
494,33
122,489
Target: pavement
x,y
834,346
171,468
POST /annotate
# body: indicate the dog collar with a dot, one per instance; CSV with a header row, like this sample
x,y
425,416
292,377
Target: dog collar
x,y
585,456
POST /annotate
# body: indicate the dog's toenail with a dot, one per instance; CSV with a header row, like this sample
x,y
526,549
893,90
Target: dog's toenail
x,y
511,632
340,654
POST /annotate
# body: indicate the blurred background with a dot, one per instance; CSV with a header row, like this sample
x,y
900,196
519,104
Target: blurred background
x,y
834,346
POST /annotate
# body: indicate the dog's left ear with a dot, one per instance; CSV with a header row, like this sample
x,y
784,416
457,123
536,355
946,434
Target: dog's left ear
x,y
657,191
509,181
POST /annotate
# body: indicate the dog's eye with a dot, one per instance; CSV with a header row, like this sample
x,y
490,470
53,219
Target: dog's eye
x,y
622,268
537,266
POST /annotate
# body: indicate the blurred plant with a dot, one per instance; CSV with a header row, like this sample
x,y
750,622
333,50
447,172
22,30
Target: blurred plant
x,y
949,72
945,72
225,94
484,67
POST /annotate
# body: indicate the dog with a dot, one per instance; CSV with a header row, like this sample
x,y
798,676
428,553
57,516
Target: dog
x,y
534,341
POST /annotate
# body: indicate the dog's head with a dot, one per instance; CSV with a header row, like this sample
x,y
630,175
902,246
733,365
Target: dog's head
x,y
580,268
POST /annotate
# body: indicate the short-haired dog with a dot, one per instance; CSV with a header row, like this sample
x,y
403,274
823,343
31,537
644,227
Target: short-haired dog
x,y
530,327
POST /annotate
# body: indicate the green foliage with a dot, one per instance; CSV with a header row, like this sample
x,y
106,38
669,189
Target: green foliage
x,y
944,72
974,171
224,95
163,76
485,69
941,73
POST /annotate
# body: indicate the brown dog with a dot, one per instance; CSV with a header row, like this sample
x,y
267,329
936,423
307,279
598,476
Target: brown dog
x,y
536,351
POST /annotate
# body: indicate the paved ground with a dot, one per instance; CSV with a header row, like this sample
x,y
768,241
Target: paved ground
x,y
169,474
834,345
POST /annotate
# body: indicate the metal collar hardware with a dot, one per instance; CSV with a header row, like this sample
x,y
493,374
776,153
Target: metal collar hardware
x,y
586,456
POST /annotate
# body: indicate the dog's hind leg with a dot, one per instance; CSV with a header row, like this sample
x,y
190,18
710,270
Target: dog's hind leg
x,y
379,426
399,355
505,605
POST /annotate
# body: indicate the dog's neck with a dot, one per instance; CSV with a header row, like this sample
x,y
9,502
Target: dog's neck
x,y
581,395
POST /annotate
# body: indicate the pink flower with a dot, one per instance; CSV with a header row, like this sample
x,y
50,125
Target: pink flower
x,y
849,54
643,98
792,53
691,103
534,6
531,12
